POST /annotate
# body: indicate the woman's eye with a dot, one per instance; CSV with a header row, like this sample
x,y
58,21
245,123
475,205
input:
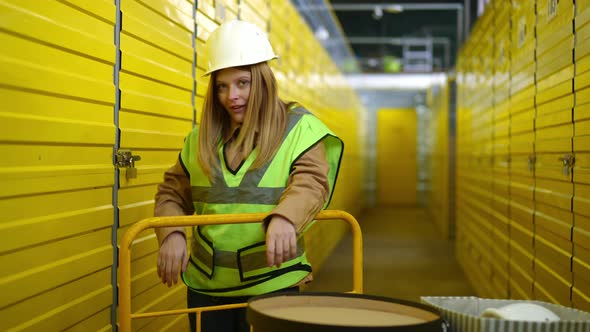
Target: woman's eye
x,y
221,87
243,83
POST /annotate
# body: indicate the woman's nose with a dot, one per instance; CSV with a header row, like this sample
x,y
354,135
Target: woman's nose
x,y
234,92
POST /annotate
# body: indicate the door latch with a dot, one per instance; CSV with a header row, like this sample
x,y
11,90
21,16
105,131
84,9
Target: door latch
x,y
567,161
126,159
531,162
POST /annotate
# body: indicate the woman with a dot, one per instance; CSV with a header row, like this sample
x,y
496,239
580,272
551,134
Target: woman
x,y
252,152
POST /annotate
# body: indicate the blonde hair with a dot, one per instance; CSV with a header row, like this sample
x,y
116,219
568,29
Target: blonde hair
x,y
265,121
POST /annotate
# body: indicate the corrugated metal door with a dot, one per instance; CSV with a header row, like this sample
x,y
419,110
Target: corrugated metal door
x,y
56,172
438,196
156,112
522,138
554,101
581,145
501,147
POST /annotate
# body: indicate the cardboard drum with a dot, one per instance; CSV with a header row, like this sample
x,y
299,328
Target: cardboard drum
x,y
327,312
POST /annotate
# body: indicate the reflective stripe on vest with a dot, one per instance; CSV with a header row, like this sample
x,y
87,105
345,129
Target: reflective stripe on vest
x,y
236,264
249,261
248,191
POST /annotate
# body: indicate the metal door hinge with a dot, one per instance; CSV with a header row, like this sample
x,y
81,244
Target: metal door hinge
x,y
126,159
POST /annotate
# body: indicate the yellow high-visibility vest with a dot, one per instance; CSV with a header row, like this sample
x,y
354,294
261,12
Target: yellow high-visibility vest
x,y
230,260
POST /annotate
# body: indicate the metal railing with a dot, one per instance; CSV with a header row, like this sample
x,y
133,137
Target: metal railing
x,y
124,276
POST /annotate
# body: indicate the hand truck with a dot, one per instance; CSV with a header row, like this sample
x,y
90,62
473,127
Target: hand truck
x,y
124,274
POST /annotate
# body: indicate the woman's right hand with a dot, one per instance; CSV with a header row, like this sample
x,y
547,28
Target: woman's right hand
x,y
173,256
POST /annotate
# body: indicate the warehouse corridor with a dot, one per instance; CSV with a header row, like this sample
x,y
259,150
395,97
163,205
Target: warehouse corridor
x,y
405,257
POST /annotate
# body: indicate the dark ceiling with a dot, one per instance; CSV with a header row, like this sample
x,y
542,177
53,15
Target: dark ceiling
x,y
377,34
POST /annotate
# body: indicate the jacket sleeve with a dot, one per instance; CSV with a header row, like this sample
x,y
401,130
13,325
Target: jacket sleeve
x,y
307,189
173,198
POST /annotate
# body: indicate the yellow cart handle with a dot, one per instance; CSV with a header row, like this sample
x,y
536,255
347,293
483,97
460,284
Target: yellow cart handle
x,y
124,274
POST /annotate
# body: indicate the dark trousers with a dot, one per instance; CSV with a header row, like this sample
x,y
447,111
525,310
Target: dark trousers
x,y
221,320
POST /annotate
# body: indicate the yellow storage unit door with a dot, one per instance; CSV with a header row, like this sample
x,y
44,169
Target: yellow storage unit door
x,y
581,263
582,47
255,11
396,156
57,134
156,113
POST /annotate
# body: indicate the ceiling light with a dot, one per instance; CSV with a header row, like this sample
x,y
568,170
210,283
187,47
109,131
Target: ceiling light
x,y
401,81
377,13
394,9
321,33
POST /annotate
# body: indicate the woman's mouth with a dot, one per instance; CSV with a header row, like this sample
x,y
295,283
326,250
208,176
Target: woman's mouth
x,y
237,109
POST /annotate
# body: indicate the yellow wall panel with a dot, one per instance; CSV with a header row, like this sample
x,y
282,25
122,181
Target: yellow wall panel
x,y
179,12
141,282
155,299
582,80
556,252
556,193
255,15
208,8
550,286
554,77
522,66
560,33
523,237
581,230
582,96
582,165
156,83
61,307
556,112
580,299
147,95
522,143
582,62
522,211
24,277
554,219
396,156
142,22
152,131
554,139
58,83
554,92
95,322
523,100
537,135
522,59
47,23
523,258
70,158
205,26
581,201
33,76
521,284
177,324
522,122
170,323
156,63
50,219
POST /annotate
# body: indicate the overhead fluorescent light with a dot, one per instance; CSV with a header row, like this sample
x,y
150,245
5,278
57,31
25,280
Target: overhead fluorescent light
x,y
405,81
393,9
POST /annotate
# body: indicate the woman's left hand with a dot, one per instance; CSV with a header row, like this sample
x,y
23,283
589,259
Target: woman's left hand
x,y
281,241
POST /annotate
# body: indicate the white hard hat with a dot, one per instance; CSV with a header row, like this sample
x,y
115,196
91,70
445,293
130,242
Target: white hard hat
x,y
237,43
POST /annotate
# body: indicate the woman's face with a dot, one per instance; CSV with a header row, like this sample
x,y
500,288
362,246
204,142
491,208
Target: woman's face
x,y
233,90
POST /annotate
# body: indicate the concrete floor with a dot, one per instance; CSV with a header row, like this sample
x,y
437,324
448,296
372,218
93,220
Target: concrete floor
x,y
405,257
